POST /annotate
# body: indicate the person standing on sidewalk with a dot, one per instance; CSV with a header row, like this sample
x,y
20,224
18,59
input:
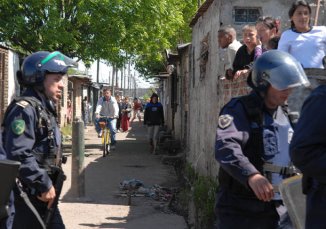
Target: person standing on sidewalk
x,y
136,110
85,111
153,118
125,110
252,146
118,98
31,135
107,106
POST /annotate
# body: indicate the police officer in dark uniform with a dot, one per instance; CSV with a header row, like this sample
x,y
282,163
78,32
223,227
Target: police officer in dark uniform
x,y
308,152
6,220
251,147
32,136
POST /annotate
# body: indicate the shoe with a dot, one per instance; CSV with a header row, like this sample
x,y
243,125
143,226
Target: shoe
x,y
100,134
113,147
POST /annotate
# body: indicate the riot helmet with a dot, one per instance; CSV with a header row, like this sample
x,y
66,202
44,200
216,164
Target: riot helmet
x,y
278,69
37,65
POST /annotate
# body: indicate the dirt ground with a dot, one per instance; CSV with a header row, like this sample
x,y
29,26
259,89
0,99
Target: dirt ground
x,y
104,205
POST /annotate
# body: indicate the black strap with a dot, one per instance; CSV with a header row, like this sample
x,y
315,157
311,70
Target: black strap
x,y
43,116
253,105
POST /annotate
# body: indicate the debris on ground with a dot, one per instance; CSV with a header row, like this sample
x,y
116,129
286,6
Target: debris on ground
x,y
136,187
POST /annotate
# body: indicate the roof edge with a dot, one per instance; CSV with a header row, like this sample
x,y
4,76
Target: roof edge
x,y
202,9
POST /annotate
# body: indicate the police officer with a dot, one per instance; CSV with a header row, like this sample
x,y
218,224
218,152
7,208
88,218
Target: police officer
x,y
308,152
7,219
251,147
32,136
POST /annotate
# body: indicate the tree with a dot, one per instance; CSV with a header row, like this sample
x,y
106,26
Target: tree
x,y
98,29
77,28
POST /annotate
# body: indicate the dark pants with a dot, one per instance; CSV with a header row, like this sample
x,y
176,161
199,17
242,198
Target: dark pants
x,y
316,208
25,218
234,212
7,222
119,122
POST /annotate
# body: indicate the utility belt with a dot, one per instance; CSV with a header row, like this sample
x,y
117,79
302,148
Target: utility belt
x,y
235,187
282,170
287,171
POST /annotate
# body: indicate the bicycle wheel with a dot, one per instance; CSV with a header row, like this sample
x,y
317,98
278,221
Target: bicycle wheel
x,y
108,141
104,142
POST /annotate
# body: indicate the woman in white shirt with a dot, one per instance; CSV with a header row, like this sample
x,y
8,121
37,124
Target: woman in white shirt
x,y
305,42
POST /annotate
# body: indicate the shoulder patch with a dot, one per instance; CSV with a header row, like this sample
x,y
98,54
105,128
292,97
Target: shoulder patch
x,y
224,121
18,126
22,103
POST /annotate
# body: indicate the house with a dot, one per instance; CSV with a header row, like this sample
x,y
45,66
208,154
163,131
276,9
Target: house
x,y
9,87
81,86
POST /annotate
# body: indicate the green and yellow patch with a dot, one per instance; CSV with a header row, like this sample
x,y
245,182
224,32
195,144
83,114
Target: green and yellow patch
x,y
18,126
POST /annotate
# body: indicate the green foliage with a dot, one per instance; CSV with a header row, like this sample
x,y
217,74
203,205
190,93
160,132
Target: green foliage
x,y
99,29
202,190
204,198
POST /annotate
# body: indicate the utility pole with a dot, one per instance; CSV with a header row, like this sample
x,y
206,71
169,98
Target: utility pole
x,y
116,78
98,71
113,74
317,13
129,75
124,80
121,80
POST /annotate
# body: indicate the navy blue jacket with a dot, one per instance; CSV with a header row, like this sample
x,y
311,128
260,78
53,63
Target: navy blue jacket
x,y
154,114
22,146
6,223
308,146
231,141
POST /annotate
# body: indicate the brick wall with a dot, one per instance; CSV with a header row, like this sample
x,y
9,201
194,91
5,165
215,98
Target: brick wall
x,y
230,89
3,81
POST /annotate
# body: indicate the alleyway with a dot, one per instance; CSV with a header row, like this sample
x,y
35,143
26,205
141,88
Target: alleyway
x,y
103,205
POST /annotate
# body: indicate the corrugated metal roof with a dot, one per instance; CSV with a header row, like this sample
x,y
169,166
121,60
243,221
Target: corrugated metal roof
x,y
202,9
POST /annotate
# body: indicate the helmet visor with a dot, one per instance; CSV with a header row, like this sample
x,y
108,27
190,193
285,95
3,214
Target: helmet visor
x,y
285,76
56,62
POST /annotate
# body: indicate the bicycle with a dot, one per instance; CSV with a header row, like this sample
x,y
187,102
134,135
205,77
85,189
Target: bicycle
x,y
106,135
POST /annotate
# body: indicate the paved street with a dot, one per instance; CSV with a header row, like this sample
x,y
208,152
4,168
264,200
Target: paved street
x,y
103,205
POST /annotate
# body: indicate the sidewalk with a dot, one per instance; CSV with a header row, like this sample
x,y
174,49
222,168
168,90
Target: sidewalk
x,y
103,205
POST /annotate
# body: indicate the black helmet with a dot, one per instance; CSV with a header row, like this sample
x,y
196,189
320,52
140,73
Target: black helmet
x,y
278,69
36,65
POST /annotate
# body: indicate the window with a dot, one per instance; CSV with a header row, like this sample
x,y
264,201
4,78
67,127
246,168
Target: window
x,y
246,15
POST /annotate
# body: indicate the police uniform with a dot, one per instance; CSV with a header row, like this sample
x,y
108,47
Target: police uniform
x,y
249,136
308,152
31,135
6,222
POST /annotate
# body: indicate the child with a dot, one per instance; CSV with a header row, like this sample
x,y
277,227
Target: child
x,y
247,53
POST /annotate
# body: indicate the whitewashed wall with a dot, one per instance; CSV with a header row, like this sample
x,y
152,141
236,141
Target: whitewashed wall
x,y
13,67
203,94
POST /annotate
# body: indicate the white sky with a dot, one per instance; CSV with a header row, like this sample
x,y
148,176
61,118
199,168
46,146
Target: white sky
x,y
105,71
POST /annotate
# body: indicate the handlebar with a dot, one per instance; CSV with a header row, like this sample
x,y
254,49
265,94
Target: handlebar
x,y
106,117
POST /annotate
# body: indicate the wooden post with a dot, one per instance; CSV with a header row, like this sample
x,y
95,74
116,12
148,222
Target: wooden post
x,y
77,161
317,13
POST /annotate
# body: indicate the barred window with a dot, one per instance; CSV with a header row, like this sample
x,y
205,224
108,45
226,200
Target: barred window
x,y
243,15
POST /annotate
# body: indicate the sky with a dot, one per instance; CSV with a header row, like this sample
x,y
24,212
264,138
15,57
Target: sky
x,y
105,71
